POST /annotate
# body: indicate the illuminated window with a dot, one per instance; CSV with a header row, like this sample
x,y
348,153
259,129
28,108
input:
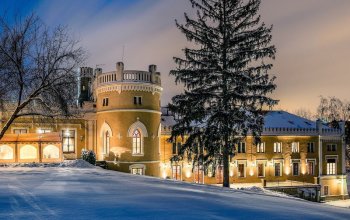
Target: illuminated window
x,y
295,169
295,147
311,167
241,147
241,170
278,168
261,169
44,130
331,166
106,140
137,171
310,147
176,169
260,148
277,147
68,139
20,131
136,142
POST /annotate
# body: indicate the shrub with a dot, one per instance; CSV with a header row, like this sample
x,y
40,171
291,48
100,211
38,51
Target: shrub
x,y
89,156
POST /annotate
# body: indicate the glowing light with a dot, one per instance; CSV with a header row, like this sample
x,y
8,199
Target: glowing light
x,y
231,173
251,172
287,171
188,174
164,175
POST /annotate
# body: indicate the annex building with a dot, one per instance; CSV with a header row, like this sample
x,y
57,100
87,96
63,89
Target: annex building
x,y
123,123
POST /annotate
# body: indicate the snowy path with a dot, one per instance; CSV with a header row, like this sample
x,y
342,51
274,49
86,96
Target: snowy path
x,y
73,193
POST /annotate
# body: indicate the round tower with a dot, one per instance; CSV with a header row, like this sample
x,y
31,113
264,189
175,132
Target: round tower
x,y
128,119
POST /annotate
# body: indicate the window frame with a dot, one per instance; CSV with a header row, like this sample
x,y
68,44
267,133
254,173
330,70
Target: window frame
x,y
280,169
64,131
311,147
277,147
137,143
241,148
295,147
331,168
331,147
137,100
20,130
260,147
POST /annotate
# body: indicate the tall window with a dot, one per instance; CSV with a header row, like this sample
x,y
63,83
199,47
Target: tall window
x,y
106,141
241,147
241,170
68,137
136,142
261,170
311,167
331,147
295,147
277,147
278,168
310,147
331,167
176,169
174,148
260,148
105,102
295,169
20,131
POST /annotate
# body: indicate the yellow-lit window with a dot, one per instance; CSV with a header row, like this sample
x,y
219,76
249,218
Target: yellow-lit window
x,y
136,142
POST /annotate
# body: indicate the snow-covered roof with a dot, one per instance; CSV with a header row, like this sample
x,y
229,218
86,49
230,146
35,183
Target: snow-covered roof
x,y
283,119
275,123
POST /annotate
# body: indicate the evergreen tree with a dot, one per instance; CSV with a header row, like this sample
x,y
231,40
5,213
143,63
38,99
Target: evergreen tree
x,y
225,77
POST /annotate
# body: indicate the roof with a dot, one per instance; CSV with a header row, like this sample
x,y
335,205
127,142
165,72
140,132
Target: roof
x,y
283,119
32,137
272,119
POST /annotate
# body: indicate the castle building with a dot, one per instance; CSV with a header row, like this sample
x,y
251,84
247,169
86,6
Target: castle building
x,y
123,123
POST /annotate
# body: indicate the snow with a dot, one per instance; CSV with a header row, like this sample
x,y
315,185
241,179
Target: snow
x,y
66,163
283,119
272,119
94,193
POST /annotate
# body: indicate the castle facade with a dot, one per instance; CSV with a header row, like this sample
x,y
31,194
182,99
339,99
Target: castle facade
x,y
123,123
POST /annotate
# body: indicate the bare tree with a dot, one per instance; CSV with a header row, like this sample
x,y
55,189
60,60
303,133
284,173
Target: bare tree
x,y
37,70
305,113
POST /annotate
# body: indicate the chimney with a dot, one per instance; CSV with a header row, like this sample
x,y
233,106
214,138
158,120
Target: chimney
x,y
319,126
120,70
152,68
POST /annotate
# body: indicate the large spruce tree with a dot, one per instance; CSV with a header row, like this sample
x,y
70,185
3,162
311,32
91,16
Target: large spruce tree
x,y
225,77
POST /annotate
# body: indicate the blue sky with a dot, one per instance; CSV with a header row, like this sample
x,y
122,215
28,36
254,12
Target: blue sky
x,y
312,39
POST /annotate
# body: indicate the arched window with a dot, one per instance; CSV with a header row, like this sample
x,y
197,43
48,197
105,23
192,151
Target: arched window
x,y
136,142
106,139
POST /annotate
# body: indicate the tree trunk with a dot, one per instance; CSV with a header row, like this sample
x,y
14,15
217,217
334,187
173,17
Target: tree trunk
x,y
226,164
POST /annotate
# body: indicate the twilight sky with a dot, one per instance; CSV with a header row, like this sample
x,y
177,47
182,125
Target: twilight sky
x,y
312,39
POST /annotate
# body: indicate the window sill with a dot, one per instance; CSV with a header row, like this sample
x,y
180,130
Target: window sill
x,y
137,155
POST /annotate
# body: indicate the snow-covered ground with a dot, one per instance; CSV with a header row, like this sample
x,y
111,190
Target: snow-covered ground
x,y
94,193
